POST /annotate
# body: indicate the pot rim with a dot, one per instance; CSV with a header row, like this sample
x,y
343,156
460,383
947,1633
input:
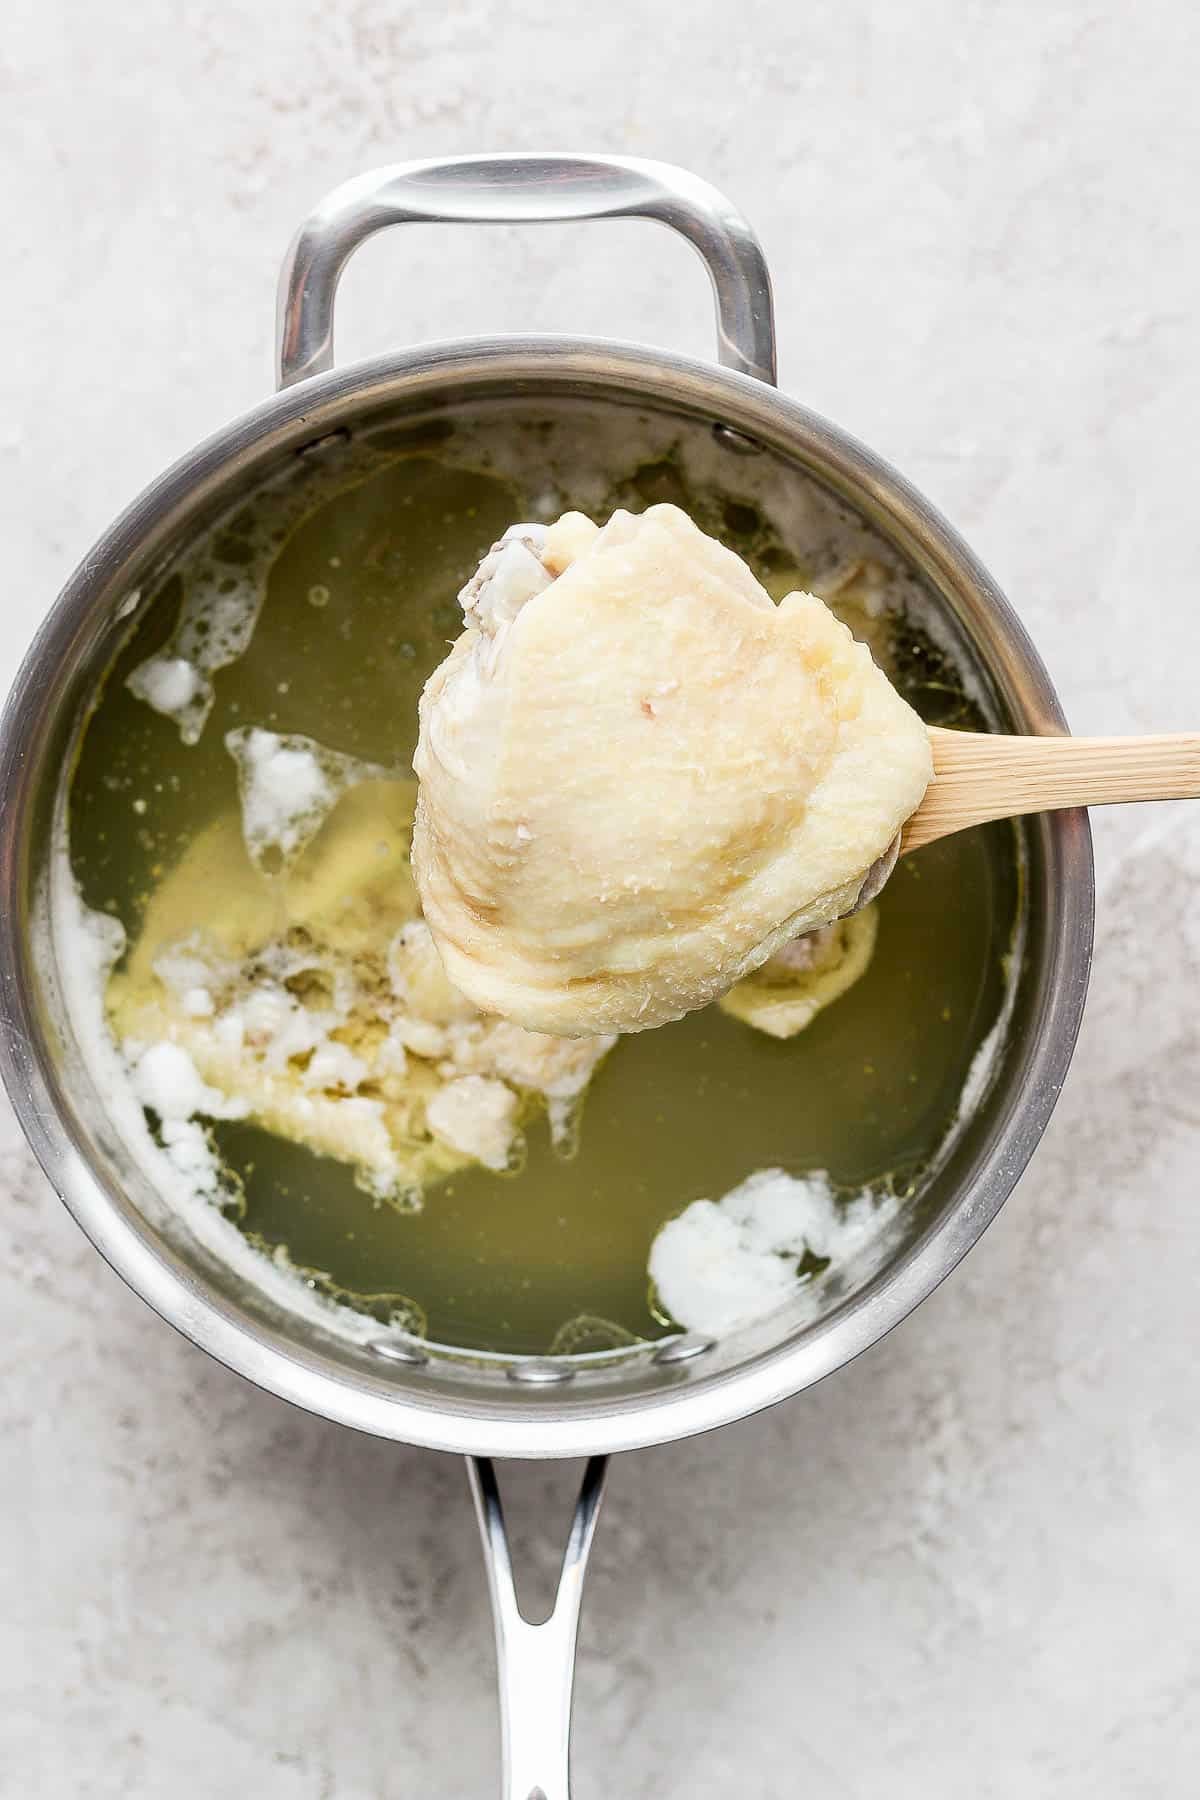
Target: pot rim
x,y
603,1422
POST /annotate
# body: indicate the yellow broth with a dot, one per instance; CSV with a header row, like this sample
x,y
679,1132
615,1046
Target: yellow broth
x,y
359,606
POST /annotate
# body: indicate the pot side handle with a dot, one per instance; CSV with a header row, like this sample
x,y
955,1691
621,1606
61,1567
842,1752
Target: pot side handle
x,y
535,1664
514,190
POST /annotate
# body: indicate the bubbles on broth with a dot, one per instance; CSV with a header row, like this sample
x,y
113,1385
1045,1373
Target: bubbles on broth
x,y
223,592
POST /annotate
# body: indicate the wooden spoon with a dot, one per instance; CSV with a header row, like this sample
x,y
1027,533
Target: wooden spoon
x,y
977,776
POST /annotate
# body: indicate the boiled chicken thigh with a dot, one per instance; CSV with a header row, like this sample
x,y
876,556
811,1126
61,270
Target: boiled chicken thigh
x,y
640,777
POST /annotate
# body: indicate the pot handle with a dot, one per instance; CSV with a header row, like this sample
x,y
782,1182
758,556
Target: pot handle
x,y
517,190
535,1664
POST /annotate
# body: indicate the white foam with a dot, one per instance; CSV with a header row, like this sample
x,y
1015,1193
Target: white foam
x,y
334,1065
475,1115
183,1177
720,1264
285,792
288,785
167,1081
167,683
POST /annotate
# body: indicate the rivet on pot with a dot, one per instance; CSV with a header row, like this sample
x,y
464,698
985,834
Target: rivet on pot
x,y
683,1349
735,441
540,1372
394,1350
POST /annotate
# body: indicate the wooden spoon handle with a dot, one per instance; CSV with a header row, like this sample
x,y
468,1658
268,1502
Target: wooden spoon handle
x,y
977,776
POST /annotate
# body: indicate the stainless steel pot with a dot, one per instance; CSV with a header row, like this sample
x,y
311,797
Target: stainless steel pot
x,y
395,1389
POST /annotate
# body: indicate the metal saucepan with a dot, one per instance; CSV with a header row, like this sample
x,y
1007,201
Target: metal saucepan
x,y
539,1408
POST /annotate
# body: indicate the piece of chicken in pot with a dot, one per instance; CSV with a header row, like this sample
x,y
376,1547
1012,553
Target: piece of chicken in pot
x,y
640,777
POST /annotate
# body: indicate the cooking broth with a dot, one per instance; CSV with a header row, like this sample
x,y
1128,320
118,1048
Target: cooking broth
x,y
355,556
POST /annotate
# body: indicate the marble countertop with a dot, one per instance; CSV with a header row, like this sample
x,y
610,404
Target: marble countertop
x,y
968,1564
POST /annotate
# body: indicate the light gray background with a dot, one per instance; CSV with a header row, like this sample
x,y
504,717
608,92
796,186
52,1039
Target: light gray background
x,y
969,1564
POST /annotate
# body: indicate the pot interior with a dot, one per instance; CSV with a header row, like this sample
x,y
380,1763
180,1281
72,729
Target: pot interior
x,y
514,1296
